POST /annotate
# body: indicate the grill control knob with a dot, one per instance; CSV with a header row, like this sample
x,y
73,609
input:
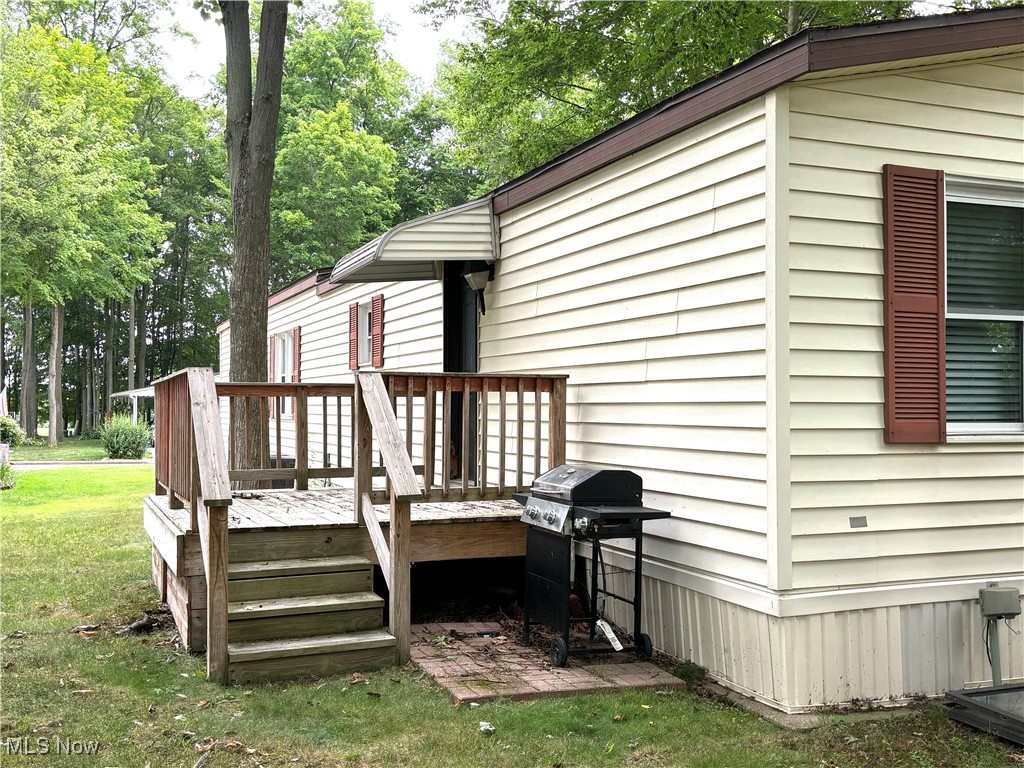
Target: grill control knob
x,y
533,512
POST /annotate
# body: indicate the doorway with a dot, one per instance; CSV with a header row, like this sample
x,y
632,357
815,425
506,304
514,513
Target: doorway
x,y
460,351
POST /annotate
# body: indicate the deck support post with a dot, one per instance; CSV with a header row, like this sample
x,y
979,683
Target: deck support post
x,y
556,424
301,412
215,564
401,590
363,454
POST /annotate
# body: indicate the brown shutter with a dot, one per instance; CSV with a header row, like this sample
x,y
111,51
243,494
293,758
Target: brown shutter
x,y
353,336
271,356
297,353
377,330
915,311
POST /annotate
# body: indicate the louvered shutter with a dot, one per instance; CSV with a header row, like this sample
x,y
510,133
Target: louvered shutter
x,y
353,336
271,357
297,353
915,377
377,330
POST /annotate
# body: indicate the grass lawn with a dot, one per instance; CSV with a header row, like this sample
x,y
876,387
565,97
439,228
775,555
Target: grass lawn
x,y
69,449
74,553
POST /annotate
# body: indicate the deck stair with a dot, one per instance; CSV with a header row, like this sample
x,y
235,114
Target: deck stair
x,y
304,616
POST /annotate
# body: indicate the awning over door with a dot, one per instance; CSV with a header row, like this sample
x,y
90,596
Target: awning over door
x,y
415,249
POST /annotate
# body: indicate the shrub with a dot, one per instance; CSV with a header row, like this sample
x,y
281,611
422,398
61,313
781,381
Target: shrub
x,y
10,432
90,434
123,440
6,473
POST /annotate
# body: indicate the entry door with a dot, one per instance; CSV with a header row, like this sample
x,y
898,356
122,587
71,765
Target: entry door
x,y
460,351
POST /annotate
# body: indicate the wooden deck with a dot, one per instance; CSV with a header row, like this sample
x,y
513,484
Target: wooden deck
x,y
277,525
310,598
334,508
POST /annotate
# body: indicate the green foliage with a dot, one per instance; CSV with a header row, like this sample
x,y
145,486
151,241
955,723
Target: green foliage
x,y
123,440
10,432
76,218
358,150
6,473
541,76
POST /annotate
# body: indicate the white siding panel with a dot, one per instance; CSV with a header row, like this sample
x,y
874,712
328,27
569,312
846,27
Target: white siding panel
x,y
933,511
645,283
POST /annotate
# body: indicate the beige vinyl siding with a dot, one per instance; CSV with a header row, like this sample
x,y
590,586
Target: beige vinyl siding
x,y
932,512
645,282
886,655
412,342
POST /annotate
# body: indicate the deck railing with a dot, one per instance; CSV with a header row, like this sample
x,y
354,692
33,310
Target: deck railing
x,y
487,452
191,470
478,436
312,421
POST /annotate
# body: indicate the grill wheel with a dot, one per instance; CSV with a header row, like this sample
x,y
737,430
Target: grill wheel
x,y
560,652
644,646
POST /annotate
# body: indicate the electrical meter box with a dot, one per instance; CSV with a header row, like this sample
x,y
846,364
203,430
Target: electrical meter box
x,y
999,602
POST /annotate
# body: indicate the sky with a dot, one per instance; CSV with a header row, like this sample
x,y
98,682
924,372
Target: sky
x,y
416,45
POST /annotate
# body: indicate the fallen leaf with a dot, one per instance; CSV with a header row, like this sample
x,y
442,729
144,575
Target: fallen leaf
x,y
84,692
645,706
90,628
620,718
204,704
373,694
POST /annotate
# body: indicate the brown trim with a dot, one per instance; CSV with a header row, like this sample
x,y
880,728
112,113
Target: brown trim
x,y
271,356
377,330
302,284
353,336
297,354
810,51
915,313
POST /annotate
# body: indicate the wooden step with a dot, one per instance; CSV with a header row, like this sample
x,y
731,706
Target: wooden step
x,y
297,567
304,577
277,618
290,658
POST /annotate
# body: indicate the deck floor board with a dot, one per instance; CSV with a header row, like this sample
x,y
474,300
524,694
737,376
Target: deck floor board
x,y
333,507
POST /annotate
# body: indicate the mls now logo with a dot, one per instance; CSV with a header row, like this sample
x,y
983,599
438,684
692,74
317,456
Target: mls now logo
x,y
44,745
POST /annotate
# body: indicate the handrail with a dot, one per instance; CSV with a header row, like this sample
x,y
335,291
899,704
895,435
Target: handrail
x,y
400,472
191,466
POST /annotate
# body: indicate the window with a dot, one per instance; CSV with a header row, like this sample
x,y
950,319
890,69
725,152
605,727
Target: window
x,y
366,333
984,308
954,306
283,352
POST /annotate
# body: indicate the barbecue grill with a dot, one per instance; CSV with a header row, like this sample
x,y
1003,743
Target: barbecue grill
x,y
581,503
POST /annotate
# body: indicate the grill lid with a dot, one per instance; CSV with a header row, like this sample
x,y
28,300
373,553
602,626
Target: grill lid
x,y
582,484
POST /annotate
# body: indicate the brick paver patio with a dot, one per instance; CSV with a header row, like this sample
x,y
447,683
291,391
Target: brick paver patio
x,y
476,662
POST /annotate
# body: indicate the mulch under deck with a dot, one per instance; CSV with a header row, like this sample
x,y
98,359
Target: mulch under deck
x,y
333,508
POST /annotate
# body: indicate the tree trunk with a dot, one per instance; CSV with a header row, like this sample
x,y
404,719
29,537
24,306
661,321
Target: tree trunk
x,y
131,341
108,359
89,421
29,383
54,388
141,379
792,19
251,132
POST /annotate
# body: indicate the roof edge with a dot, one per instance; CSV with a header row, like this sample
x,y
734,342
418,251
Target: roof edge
x,y
812,50
371,251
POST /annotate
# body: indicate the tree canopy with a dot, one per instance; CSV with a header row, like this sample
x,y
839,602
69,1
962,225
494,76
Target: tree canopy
x,y
542,76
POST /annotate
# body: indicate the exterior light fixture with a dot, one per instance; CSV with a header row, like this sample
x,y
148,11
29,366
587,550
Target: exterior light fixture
x,y
478,274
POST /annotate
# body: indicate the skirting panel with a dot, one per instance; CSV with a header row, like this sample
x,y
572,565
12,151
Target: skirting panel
x,y
877,656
